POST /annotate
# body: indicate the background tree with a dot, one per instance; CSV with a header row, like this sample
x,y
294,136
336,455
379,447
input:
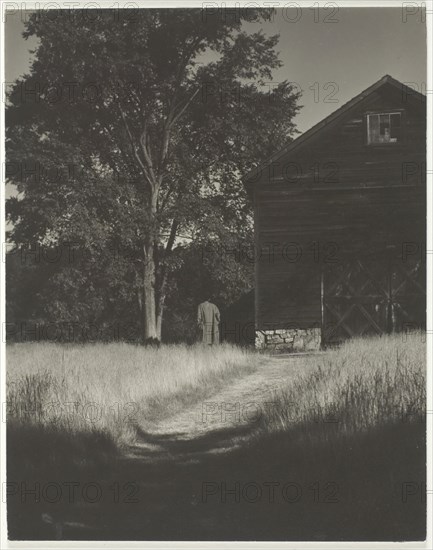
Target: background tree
x,y
139,130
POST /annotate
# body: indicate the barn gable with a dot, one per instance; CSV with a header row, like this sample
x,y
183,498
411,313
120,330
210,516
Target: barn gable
x,y
347,125
340,224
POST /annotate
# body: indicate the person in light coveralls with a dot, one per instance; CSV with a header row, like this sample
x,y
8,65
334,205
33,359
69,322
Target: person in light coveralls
x,y
208,318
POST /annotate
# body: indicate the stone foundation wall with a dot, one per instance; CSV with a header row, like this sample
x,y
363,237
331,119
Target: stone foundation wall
x,y
289,340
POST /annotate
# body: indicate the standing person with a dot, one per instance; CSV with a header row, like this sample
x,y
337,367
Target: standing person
x,y
208,318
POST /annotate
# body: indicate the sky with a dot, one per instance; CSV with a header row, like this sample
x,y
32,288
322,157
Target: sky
x,y
331,55
334,61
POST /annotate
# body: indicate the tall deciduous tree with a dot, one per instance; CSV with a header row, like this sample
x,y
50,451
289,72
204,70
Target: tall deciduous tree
x,y
147,119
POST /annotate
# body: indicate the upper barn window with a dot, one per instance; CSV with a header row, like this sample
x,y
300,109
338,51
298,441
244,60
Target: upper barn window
x,y
383,128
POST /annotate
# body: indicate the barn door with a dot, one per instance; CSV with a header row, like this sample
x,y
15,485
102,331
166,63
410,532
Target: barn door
x,y
364,296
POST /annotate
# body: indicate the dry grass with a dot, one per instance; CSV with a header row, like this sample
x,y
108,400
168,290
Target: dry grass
x,y
111,387
352,428
364,384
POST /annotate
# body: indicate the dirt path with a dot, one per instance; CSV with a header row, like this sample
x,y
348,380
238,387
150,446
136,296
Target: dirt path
x,y
160,479
224,420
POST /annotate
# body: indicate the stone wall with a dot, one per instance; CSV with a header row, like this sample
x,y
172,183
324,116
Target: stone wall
x,y
289,340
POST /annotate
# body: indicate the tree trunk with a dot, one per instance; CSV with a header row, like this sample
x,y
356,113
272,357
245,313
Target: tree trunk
x,y
149,305
154,288
161,295
159,324
160,298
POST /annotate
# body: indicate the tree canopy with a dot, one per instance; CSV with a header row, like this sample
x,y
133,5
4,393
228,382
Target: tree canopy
x,y
129,138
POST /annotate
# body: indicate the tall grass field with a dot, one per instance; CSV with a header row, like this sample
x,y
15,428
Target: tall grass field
x,y
347,434
366,384
110,388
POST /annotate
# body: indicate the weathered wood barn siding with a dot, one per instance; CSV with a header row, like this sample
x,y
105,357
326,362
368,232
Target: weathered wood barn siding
x,y
331,200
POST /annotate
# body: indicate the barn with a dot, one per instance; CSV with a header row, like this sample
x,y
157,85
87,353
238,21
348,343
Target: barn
x,y
340,225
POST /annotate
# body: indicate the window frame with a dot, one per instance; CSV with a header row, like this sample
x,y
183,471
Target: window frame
x,y
393,144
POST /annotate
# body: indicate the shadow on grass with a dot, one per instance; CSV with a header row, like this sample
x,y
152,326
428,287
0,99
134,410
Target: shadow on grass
x,y
367,486
180,448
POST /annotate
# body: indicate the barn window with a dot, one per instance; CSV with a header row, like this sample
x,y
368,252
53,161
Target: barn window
x,y
384,128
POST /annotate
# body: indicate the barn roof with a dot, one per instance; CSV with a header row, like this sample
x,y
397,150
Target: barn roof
x,y
320,126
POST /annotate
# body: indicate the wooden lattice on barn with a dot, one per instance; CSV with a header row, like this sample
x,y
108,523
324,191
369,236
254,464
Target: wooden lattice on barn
x,y
372,296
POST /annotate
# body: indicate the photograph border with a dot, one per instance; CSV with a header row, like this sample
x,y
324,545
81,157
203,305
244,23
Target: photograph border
x,y
369,4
